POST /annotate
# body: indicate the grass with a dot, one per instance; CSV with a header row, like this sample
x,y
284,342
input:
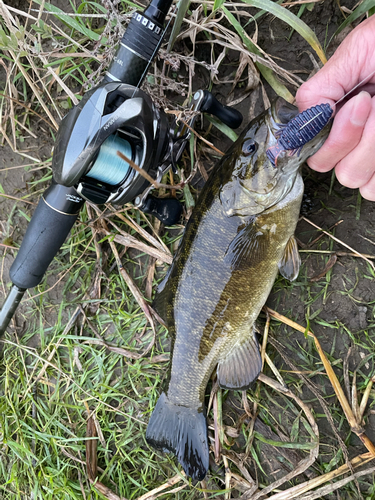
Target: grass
x,y
77,388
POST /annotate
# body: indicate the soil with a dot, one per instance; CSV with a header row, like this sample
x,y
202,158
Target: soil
x,y
344,315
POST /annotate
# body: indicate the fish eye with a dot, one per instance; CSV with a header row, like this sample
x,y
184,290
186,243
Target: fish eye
x,y
249,146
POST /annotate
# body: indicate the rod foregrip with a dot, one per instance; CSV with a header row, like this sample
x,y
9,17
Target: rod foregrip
x,y
50,225
135,52
139,44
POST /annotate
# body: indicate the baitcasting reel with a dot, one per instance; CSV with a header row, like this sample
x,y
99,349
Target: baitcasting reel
x,y
120,118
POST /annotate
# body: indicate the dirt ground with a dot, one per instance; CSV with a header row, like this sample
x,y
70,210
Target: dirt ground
x,y
340,306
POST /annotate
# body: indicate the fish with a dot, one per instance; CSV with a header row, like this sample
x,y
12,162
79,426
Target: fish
x,y
239,236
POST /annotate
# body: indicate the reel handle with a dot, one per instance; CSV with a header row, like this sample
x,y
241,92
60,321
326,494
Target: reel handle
x,y
226,114
50,225
167,210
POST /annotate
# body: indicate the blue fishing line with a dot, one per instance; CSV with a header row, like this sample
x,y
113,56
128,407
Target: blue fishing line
x,y
109,167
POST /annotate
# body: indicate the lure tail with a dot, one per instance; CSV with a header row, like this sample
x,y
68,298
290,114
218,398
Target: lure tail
x,y
183,431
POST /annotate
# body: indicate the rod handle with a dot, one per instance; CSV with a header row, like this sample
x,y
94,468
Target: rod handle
x,y
50,225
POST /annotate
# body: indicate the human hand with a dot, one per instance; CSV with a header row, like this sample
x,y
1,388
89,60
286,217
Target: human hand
x,y
350,146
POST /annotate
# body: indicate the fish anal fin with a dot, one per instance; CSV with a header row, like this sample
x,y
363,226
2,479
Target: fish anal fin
x,y
248,247
290,262
241,367
182,431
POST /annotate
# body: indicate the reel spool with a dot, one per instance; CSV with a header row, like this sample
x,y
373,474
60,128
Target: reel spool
x,y
108,167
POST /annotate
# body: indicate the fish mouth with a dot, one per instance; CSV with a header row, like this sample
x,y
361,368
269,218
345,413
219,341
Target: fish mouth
x,y
282,113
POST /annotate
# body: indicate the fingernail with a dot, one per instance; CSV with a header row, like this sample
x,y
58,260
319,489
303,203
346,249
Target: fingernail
x,y
361,109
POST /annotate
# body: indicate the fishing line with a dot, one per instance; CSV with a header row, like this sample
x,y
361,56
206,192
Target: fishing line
x,y
365,80
108,167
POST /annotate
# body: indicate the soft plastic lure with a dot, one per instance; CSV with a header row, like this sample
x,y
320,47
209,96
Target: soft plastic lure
x,y
300,130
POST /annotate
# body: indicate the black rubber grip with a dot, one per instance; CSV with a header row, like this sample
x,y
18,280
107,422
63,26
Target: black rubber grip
x,y
45,234
226,114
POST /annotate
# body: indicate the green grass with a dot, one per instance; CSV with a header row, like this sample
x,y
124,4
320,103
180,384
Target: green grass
x,y
56,371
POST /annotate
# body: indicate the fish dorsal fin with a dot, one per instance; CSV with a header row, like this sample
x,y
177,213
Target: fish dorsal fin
x,y
248,247
290,262
162,302
241,367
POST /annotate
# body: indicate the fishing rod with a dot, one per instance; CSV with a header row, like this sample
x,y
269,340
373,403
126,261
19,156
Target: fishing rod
x,y
115,116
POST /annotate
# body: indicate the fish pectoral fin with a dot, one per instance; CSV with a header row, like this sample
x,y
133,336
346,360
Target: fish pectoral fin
x,y
248,247
241,367
290,262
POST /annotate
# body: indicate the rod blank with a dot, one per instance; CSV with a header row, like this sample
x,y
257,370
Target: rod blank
x,y
9,307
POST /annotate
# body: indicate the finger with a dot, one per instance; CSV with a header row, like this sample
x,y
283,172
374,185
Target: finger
x,y
356,169
345,135
368,190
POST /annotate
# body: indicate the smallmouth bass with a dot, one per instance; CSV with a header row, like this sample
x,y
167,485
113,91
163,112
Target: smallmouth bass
x,y
239,236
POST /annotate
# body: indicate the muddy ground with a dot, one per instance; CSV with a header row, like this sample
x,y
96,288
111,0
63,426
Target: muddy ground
x,y
340,306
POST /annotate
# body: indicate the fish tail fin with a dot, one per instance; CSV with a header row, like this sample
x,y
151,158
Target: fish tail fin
x,y
183,431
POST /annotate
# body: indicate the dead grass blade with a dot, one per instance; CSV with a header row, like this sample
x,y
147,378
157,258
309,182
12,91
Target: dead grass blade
x,y
215,407
331,262
91,450
34,88
339,254
107,492
157,242
303,464
329,488
136,293
355,426
296,491
17,199
129,241
244,483
92,459
341,242
171,482
365,397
